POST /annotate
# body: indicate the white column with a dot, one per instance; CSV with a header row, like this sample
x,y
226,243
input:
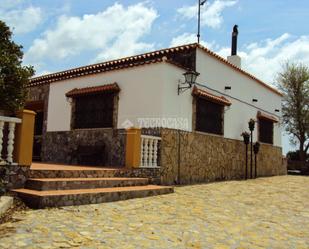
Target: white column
x,y
150,152
155,153
146,152
10,147
142,152
1,139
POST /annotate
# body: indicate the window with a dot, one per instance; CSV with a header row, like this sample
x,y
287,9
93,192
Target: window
x,y
94,111
209,116
266,131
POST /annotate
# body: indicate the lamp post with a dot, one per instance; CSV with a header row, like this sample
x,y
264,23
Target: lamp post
x,y
256,149
190,78
251,128
246,137
200,3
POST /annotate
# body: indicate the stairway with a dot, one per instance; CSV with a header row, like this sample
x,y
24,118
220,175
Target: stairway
x,y
66,186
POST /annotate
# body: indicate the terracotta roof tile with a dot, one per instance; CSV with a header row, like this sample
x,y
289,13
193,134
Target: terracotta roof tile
x,y
93,90
204,94
266,116
133,61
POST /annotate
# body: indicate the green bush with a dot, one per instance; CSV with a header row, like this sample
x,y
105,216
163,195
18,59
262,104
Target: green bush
x,y
13,76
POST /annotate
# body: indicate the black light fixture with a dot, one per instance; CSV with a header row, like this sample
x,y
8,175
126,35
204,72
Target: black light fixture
x,y
190,79
227,88
254,100
251,125
256,148
246,137
277,110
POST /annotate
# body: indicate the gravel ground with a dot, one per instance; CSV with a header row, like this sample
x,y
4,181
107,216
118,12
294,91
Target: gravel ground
x,y
262,213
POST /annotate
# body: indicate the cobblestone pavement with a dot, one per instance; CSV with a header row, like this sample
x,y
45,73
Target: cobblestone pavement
x,y
264,213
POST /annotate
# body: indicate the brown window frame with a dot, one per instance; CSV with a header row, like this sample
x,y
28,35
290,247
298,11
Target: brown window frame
x,y
199,126
265,128
94,113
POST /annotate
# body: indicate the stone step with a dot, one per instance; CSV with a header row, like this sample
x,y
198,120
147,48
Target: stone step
x,y
83,173
83,183
90,172
57,198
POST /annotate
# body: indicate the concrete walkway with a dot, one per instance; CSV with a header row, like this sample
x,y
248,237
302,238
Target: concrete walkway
x,y
263,213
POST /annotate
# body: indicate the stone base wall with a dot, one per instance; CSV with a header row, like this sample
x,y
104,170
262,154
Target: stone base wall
x,y
40,93
192,157
60,147
13,176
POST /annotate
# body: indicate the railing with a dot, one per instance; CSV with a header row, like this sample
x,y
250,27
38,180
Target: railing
x,y
149,151
8,159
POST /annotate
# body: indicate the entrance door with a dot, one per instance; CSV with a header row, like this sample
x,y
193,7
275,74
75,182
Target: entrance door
x,y
38,107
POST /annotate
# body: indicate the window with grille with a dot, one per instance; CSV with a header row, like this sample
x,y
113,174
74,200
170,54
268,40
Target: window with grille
x,y
266,131
94,111
209,116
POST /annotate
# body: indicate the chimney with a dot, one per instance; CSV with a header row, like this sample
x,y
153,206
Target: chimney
x,y
234,58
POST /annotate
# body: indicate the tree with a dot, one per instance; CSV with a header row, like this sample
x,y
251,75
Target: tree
x,y
13,76
294,83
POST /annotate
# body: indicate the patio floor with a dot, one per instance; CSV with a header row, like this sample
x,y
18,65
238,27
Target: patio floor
x,y
262,213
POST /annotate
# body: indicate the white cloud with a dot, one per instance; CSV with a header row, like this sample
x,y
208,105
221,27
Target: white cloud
x,y
211,13
187,38
6,4
112,33
264,59
19,18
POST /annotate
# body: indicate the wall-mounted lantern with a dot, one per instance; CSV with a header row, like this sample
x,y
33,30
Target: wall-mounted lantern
x,y
227,88
254,100
277,110
190,79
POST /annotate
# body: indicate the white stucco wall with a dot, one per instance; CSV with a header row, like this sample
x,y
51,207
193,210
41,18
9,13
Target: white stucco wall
x,y
140,95
217,75
150,91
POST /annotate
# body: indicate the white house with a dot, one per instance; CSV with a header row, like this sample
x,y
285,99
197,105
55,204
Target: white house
x,y
95,103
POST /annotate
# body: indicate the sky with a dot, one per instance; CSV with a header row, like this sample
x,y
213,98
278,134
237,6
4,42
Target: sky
x,y
61,34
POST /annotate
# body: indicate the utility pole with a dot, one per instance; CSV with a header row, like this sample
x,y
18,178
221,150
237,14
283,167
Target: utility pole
x,y
200,3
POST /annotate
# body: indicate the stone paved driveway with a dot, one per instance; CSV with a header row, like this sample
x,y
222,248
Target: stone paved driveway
x,y
263,213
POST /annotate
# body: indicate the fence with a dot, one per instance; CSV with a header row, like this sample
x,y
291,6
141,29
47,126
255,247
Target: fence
x,y
149,151
6,156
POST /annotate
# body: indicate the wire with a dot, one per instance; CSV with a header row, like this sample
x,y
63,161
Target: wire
x,y
242,101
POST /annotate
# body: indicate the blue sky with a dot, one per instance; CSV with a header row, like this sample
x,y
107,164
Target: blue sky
x,y
60,34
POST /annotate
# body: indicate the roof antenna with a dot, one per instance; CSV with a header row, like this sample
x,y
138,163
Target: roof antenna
x,y
200,3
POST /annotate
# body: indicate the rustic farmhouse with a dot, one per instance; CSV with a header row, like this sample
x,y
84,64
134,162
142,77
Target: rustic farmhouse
x,y
83,114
